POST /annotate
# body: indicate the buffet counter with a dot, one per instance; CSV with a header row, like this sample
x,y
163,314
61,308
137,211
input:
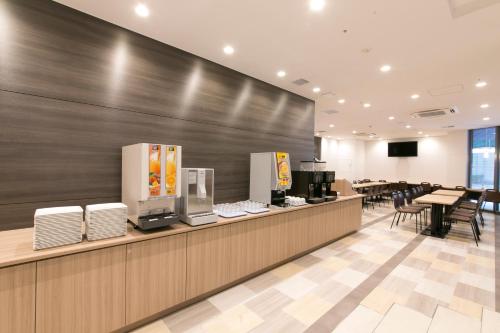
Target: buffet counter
x,y
119,283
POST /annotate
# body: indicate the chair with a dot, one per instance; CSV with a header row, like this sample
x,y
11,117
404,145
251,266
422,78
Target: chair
x,y
403,185
436,187
427,187
461,188
472,205
369,197
399,199
467,216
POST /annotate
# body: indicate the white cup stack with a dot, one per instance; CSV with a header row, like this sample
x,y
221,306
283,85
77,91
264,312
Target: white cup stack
x,y
57,226
105,221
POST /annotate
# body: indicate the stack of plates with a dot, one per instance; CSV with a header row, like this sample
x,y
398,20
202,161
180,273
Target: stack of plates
x,y
105,221
57,226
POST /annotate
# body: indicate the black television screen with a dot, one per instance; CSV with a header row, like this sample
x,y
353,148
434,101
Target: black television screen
x,y
403,149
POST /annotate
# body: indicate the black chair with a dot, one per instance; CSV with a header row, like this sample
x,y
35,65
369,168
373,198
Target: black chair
x,y
457,214
427,187
472,205
404,210
436,187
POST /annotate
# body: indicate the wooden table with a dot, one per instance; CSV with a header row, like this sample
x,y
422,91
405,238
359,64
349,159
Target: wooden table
x,y
370,184
437,202
454,193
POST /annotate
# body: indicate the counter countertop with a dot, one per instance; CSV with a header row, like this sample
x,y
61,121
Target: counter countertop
x,y
16,246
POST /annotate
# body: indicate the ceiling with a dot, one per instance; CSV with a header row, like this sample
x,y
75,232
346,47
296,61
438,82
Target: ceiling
x,y
432,45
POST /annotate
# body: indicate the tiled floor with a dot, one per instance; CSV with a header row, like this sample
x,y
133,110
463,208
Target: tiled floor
x,y
377,280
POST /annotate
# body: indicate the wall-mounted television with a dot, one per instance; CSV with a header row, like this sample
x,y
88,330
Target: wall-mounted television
x,y
402,149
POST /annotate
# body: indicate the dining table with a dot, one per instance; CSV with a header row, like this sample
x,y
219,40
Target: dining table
x,y
454,193
368,184
437,202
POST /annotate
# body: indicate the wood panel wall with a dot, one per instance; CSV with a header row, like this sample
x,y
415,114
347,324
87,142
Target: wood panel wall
x,y
75,89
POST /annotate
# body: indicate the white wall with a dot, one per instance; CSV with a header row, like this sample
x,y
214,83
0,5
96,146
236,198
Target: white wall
x,y
346,157
441,159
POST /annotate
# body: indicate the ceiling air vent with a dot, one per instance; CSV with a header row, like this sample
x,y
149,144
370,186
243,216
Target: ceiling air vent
x,y
300,82
330,112
434,113
364,134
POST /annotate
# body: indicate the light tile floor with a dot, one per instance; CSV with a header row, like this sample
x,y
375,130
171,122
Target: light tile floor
x,y
443,285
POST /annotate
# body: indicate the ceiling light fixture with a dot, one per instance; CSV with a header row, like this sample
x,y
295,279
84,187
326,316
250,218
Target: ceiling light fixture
x,y
420,132
329,136
415,96
281,73
408,126
228,49
481,84
316,5
385,68
486,118
316,90
427,135
484,106
391,118
142,10
341,101
331,125
367,105
354,132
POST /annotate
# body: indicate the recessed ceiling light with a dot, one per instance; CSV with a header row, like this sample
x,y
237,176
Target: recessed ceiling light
x,y
329,136
486,118
484,106
366,105
408,126
142,10
331,125
317,5
481,84
415,96
371,136
317,133
391,118
316,89
281,73
420,132
341,101
228,49
354,132
385,68
427,135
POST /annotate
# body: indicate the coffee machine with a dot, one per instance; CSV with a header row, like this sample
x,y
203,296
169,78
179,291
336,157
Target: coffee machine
x,y
197,196
151,182
308,185
328,180
270,177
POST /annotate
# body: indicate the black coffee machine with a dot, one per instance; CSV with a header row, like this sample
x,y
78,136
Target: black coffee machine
x,y
328,180
308,185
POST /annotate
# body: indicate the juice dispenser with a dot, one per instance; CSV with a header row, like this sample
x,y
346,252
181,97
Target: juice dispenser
x,y
270,177
151,182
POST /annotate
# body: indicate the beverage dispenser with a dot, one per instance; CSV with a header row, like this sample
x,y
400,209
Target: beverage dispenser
x,y
151,182
270,177
197,196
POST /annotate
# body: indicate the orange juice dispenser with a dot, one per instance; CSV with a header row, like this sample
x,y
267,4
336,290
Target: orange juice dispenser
x,y
270,177
151,182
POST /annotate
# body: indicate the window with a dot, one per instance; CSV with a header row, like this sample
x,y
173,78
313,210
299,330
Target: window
x,y
483,159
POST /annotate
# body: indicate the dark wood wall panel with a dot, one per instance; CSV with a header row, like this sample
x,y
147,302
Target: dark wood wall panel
x,y
58,52
75,89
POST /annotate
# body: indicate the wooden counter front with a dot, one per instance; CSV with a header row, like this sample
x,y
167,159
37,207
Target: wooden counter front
x,y
114,284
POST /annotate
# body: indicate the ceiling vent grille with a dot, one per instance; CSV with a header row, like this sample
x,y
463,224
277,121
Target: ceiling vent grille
x,y
364,134
330,112
434,113
300,82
